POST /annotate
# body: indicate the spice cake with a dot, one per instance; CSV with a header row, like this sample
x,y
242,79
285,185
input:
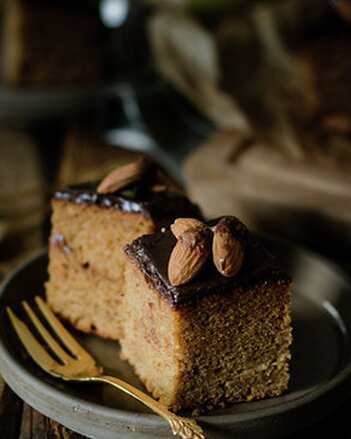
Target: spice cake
x,y
90,225
50,43
206,315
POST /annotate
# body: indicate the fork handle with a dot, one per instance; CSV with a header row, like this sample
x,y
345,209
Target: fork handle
x,y
183,427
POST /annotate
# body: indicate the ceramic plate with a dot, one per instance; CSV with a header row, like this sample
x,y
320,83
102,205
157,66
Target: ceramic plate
x,y
320,368
42,103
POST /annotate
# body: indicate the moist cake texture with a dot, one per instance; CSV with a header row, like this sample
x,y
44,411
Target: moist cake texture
x,y
213,340
86,259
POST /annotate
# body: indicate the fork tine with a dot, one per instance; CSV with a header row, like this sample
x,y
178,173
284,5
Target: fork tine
x,y
34,349
56,348
66,338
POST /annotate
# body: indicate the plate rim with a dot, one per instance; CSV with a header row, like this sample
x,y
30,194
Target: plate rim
x,y
152,420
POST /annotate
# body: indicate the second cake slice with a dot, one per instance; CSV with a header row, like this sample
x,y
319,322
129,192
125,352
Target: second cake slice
x,y
90,225
206,315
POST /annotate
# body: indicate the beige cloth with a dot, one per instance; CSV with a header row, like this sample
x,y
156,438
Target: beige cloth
x,y
305,199
186,55
239,73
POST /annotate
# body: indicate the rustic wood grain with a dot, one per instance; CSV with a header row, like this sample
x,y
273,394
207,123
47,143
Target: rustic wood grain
x,y
11,408
39,425
26,424
86,156
23,188
58,431
2,385
20,421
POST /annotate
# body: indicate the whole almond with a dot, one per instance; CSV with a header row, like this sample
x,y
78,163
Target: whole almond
x,y
125,175
181,225
189,255
228,251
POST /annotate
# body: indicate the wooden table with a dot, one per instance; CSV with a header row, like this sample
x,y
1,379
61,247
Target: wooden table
x,y
20,421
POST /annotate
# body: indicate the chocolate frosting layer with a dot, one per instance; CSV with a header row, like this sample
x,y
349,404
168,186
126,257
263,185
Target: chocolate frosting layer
x,y
151,254
137,198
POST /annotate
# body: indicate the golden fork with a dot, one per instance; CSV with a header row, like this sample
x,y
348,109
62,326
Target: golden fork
x,y
81,366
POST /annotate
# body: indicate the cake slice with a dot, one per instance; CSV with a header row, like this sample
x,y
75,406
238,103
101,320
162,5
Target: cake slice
x,y
50,43
206,326
90,225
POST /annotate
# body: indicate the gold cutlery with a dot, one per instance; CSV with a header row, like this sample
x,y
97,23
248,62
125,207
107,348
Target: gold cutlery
x,y
79,365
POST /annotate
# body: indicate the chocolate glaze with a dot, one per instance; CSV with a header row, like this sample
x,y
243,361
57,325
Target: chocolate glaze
x,y
151,254
137,198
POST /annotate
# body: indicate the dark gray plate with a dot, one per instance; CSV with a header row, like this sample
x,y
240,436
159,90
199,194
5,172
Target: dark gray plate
x,y
43,103
320,369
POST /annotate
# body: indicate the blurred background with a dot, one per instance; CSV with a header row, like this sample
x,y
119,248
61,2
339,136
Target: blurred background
x,y
247,103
